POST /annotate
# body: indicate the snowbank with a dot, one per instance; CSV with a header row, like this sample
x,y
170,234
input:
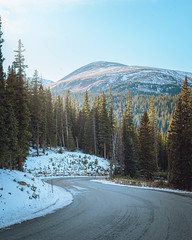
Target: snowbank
x,y
149,188
24,197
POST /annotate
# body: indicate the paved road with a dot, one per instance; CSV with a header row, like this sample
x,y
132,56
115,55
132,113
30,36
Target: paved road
x,y
107,212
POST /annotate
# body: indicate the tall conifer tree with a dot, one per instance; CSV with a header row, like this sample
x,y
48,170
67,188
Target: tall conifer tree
x,y
111,125
95,117
3,129
104,133
130,156
36,110
180,143
87,126
70,142
51,127
21,106
146,150
153,124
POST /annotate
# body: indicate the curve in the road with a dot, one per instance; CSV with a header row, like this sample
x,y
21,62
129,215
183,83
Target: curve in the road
x,y
107,212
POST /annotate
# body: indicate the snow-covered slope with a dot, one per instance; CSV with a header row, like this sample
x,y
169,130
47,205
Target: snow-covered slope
x,y
23,197
100,76
66,164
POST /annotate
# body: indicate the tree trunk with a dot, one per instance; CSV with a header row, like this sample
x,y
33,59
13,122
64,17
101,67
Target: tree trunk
x,y
37,140
114,141
43,147
20,163
63,138
67,128
94,135
105,151
77,142
11,164
1,165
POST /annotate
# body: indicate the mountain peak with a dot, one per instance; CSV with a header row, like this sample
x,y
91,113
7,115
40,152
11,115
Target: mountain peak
x,y
104,64
100,76
94,66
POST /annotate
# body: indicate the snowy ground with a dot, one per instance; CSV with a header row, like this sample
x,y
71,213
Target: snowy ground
x,y
66,164
23,195
149,188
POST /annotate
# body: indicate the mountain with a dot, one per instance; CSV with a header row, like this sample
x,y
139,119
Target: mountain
x,y
46,81
100,76
42,80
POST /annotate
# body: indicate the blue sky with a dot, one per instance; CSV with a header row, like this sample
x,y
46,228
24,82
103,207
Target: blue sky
x,y
62,35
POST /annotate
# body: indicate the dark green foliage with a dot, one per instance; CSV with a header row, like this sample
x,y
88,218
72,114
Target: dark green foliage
x,y
8,122
180,142
111,125
70,141
51,127
43,122
21,110
3,129
162,152
153,125
95,118
129,137
86,138
12,132
36,109
59,118
103,127
146,150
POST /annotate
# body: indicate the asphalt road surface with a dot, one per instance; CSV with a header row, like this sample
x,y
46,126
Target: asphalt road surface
x,y
107,212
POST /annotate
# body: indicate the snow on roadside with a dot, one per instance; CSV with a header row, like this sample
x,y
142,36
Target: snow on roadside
x,y
66,164
148,188
24,197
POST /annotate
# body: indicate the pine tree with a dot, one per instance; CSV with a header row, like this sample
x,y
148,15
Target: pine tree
x,y
77,122
87,126
146,152
21,106
36,110
153,124
3,131
180,143
111,124
95,117
12,130
120,145
60,122
162,152
51,128
130,156
104,133
70,142
11,85
43,122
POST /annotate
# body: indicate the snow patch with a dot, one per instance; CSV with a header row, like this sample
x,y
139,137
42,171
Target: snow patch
x,y
66,164
148,188
23,197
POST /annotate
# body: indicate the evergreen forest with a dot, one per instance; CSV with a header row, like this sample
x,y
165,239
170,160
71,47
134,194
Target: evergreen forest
x,y
137,134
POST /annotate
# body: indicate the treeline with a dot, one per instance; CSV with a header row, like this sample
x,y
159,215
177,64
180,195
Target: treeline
x,y
30,116
164,106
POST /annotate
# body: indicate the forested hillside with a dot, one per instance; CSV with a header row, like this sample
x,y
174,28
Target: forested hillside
x,y
164,105
129,131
